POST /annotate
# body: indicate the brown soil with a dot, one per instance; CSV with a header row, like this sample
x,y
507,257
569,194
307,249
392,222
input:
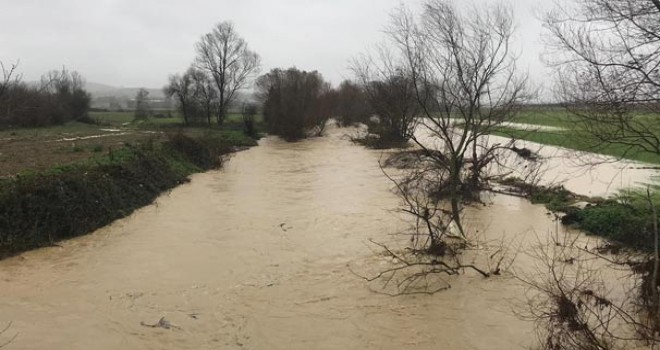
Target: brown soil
x,y
23,153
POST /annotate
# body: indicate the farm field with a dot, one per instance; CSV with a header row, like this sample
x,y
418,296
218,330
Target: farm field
x,y
37,149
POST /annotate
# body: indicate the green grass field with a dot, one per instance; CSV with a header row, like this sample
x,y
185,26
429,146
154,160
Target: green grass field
x,y
38,149
126,119
555,118
572,140
573,136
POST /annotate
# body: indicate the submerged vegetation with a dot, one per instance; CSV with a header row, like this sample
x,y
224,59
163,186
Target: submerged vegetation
x,y
625,219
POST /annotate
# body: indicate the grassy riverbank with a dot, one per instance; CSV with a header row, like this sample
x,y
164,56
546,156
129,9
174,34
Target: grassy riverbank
x,y
569,133
626,219
38,208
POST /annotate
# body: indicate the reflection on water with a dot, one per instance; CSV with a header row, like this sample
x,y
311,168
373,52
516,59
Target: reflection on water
x,y
257,256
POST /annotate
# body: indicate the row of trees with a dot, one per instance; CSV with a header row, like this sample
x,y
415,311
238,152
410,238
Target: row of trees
x,y
224,65
58,98
295,103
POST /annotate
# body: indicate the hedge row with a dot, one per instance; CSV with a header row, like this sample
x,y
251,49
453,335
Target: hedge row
x,y
37,210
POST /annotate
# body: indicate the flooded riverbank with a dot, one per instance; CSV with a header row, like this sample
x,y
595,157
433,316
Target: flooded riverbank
x,y
259,256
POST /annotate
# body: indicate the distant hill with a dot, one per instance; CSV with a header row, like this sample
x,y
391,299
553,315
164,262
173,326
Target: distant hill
x,y
121,98
101,90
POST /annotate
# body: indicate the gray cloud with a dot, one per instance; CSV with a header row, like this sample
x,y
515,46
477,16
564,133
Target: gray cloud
x,y
138,43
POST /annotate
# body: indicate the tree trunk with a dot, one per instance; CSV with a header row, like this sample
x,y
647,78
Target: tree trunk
x,y
656,263
455,196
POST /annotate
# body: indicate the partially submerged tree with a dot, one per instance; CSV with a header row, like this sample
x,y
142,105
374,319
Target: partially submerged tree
x,y
390,91
225,56
575,307
352,106
465,81
294,103
462,77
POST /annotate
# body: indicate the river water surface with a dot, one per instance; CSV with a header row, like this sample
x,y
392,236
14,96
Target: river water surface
x,y
259,255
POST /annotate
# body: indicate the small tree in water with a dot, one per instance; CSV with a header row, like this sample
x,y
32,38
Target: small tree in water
x,y
466,83
459,71
294,103
390,92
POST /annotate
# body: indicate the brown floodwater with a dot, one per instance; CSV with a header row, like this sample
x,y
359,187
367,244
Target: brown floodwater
x,y
583,173
263,254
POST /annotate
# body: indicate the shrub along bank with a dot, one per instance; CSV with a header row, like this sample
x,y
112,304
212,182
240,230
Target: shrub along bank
x,y
39,209
626,219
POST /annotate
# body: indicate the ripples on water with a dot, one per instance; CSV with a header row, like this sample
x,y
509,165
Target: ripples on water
x,y
257,256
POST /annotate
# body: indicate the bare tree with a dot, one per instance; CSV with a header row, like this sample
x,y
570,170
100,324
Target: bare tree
x,y
390,92
182,87
466,84
461,77
63,90
9,77
225,56
606,54
574,304
433,248
607,58
10,80
207,96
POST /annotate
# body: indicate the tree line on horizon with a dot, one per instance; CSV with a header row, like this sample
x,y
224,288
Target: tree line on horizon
x,y
57,98
294,103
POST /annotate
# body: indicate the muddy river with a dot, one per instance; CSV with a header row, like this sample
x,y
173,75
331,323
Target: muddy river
x,y
262,255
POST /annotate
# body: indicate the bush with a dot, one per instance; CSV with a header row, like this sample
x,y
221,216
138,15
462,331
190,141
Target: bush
x,y
626,223
204,152
296,104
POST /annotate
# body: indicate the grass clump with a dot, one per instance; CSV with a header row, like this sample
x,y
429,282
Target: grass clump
x,y
626,219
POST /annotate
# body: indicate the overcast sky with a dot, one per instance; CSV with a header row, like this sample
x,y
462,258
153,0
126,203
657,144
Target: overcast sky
x,y
138,43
